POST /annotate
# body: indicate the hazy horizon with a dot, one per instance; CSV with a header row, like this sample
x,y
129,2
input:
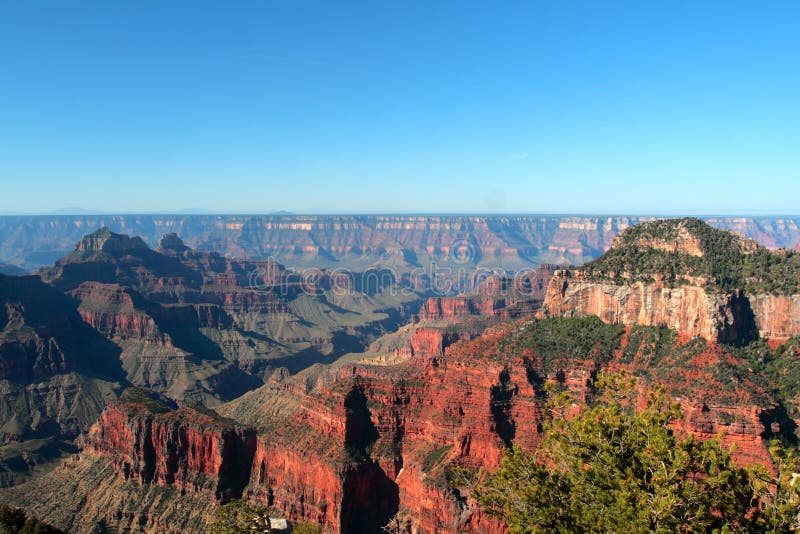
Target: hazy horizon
x,y
322,213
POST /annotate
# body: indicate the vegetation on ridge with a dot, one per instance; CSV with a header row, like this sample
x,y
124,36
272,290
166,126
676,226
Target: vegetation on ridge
x,y
778,366
556,340
239,516
728,262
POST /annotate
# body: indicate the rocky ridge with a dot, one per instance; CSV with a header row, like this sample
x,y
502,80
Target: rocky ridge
x,y
191,448
442,321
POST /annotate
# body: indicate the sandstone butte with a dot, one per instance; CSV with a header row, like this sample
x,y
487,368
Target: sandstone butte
x,y
354,445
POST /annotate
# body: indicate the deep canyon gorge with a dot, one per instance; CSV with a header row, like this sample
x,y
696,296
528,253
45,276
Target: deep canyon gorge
x,y
145,381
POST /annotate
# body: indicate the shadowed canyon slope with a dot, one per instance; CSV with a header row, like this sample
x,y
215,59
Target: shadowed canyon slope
x,y
56,374
50,359
6,268
360,241
196,326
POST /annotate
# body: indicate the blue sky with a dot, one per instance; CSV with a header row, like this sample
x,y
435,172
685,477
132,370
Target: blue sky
x,y
390,106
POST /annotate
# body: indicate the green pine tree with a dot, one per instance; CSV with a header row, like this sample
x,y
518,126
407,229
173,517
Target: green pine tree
x,y
614,468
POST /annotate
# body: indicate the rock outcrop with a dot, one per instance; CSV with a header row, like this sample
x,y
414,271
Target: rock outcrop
x,y
691,310
502,296
685,275
106,241
429,341
777,316
442,321
436,308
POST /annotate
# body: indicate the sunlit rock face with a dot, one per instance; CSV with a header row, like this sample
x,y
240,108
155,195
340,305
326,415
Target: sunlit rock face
x,y
687,276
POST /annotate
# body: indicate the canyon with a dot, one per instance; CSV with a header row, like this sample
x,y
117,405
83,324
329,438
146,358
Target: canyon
x,y
372,434
191,326
370,443
198,327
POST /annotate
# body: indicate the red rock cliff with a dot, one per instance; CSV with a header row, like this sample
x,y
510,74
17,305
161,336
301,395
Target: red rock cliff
x,y
463,408
496,296
431,341
445,308
777,316
193,450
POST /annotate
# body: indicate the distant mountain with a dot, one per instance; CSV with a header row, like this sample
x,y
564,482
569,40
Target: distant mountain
x,y
75,210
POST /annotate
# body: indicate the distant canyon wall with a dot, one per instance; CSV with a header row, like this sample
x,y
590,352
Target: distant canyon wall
x,y
356,241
